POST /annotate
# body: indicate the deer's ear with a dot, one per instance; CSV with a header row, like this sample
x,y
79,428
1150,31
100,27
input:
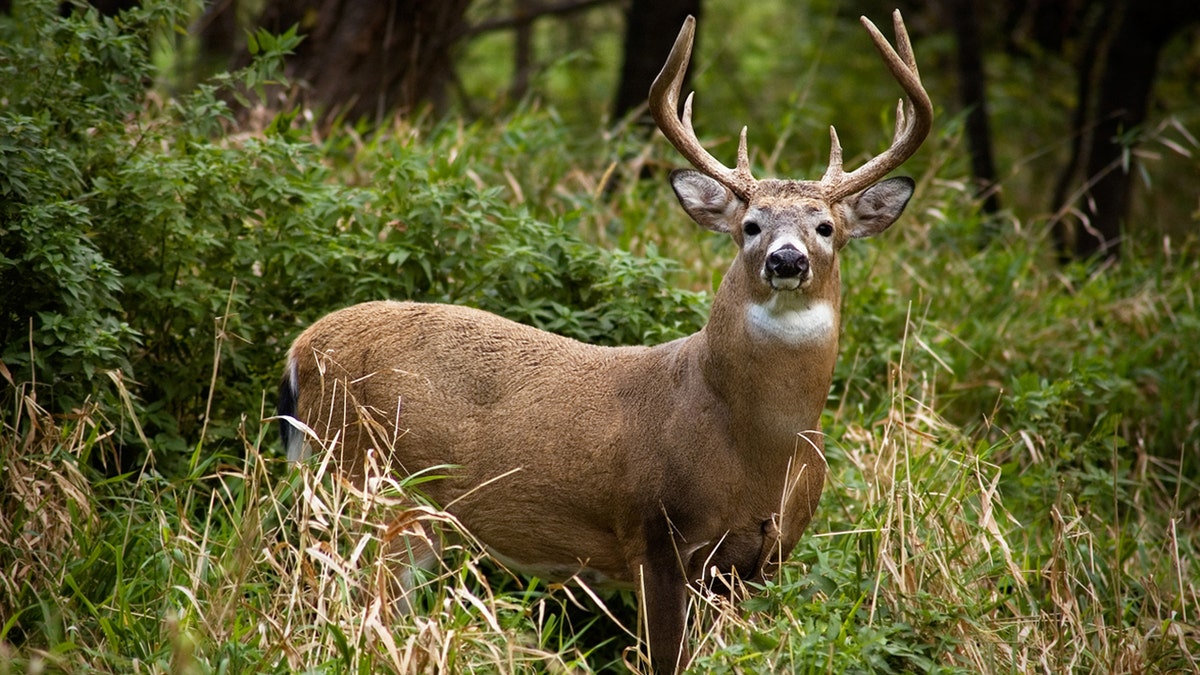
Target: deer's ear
x,y
712,205
873,210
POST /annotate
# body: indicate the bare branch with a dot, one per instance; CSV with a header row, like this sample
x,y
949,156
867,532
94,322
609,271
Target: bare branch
x,y
533,13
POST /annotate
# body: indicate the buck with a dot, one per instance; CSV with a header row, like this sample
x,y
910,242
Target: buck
x,y
651,468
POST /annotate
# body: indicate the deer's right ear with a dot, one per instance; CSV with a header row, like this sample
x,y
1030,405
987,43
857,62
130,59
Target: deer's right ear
x,y
712,205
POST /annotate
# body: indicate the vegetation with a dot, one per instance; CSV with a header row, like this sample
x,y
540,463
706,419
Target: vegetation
x,y
1014,452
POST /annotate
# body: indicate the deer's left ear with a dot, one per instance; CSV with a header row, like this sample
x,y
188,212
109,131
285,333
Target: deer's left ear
x,y
873,210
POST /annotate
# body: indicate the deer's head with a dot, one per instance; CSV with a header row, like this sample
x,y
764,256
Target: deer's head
x,y
788,232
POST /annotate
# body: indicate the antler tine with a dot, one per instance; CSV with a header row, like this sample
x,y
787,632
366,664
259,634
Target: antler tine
x,y
903,44
664,106
834,170
911,128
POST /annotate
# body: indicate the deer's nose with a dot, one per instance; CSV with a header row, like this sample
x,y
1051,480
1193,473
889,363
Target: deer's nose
x,y
787,262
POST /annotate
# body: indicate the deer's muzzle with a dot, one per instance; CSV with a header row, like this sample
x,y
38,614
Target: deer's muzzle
x,y
788,263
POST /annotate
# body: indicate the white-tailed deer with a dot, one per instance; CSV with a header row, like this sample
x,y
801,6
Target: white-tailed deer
x,y
646,467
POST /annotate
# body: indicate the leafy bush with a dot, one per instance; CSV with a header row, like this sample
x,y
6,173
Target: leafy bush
x,y
136,240
69,86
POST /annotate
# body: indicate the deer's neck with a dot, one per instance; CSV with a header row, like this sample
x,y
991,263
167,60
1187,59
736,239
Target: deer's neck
x,y
770,358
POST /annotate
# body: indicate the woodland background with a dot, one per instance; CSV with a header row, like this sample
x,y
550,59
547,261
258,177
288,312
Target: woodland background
x,y
1014,431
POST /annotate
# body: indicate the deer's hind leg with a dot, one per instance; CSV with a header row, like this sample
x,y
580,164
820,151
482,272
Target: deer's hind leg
x,y
411,551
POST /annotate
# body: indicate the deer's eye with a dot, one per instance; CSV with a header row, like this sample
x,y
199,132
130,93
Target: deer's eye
x,y
825,229
751,228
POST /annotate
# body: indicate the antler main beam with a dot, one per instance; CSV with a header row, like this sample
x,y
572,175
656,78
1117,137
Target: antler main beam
x,y
664,106
912,124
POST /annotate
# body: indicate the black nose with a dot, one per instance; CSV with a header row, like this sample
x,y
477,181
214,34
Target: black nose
x,y
787,262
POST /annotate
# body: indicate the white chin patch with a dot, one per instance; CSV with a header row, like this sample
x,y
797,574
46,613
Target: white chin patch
x,y
792,320
785,283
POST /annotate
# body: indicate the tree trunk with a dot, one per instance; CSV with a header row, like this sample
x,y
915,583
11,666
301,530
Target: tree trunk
x,y
219,35
366,58
522,51
650,30
1096,34
972,95
1129,64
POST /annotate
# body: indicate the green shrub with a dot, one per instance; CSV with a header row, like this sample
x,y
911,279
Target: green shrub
x,y
137,240
70,85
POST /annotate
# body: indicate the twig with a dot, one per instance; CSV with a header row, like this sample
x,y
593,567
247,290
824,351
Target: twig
x,y
528,16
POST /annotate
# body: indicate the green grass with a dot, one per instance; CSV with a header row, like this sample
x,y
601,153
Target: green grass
x,y
1012,489
1013,445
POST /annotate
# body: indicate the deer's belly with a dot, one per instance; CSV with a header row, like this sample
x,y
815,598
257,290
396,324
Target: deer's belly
x,y
561,572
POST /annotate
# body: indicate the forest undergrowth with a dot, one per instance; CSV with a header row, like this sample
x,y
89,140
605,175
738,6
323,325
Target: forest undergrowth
x,y
1013,443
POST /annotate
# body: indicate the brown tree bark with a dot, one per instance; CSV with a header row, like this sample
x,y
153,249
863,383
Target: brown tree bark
x,y
650,30
217,28
972,95
363,59
1128,65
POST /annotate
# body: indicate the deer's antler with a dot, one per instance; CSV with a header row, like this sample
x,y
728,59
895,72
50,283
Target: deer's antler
x,y
912,125
664,106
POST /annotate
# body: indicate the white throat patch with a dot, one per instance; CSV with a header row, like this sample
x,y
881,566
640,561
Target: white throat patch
x,y
795,321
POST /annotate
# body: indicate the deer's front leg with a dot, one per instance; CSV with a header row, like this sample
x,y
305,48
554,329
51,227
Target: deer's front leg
x,y
663,591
